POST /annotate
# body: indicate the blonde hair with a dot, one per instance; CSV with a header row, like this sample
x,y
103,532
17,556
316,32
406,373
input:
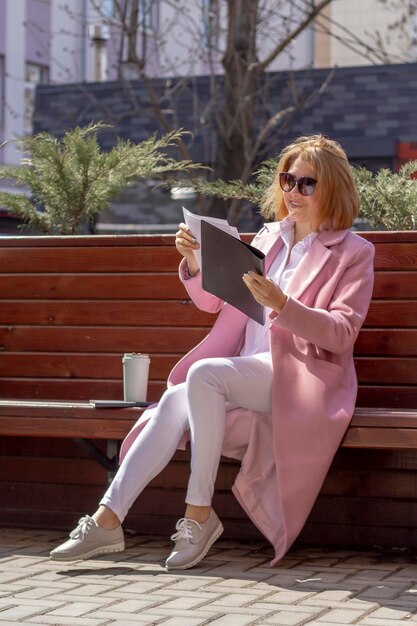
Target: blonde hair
x,y
336,193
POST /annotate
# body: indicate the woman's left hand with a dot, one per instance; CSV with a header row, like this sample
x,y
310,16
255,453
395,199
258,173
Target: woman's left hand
x,y
265,291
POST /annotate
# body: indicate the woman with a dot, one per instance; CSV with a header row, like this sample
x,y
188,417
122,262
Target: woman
x,y
278,397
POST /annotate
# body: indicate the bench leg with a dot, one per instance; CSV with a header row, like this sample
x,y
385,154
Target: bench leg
x,y
113,454
108,460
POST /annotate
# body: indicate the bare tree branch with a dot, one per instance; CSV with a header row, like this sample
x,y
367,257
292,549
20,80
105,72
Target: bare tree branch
x,y
237,123
310,16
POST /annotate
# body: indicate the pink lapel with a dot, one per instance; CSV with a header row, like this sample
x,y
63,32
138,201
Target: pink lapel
x,y
313,261
270,244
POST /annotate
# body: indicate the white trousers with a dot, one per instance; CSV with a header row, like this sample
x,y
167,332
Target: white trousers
x,y
212,386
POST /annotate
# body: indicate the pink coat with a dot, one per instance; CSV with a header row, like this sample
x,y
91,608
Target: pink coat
x,y
285,456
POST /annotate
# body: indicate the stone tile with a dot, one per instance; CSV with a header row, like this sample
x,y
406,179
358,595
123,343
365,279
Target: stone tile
x,y
91,590
54,620
291,608
287,596
114,617
160,611
193,584
185,621
233,583
342,616
73,597
134,621
75,609
333,595
185,603
233,620
389,614
235,599
287,618
355,603
142,587
369,621
35,593
234,586
22,612
383,592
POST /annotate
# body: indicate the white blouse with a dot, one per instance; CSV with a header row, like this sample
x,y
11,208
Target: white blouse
x,y
280,271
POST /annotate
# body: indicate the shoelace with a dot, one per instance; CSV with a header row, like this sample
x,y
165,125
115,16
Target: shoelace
x,y
184,529
84,525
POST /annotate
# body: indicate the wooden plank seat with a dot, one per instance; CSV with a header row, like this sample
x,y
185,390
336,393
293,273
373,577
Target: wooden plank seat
x,y
370,427
71,306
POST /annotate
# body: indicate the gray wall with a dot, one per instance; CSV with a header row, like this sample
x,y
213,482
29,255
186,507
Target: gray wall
x,y
368,109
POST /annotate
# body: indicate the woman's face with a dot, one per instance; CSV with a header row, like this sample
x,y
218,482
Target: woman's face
x,y
302,209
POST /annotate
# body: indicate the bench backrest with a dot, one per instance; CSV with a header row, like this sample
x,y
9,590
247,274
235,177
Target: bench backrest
x,y
70,307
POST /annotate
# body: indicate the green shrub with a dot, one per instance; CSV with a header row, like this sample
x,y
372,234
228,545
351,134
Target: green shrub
x,y
70,180
388,200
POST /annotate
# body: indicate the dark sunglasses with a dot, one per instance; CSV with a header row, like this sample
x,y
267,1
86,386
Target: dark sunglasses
x,y
305,184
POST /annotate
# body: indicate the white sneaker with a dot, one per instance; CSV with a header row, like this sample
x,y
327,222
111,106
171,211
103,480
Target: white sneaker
x,y
193,541
87,540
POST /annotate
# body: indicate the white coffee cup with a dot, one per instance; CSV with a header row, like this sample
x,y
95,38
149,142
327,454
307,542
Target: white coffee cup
x,y
135,376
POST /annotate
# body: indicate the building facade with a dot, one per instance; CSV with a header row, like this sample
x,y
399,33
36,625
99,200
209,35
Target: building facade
x,y
365,32
41,41
49,41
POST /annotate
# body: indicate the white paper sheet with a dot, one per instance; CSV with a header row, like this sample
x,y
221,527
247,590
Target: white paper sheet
x,y
193,222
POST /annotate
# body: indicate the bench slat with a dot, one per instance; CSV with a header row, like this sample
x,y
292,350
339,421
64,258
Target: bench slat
x,y
388,285
64,419
121,313
95,241
396,256
40,470
100,339
384,418
365,484
63,427
163,313
380,438
78,365
67,389
156,286
14,421
390,342
398,313
89,259
401,397
70,389
386,370
371,341
392,285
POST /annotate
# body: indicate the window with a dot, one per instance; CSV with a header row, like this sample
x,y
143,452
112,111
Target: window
x,y
2,92
34,75
147,11
209,24
108,9
147,14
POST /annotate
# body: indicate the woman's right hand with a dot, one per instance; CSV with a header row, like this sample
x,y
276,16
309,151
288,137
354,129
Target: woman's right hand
x,y
186,243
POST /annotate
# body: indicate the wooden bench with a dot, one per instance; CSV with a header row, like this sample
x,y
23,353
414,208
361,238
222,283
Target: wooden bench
x,y
70,307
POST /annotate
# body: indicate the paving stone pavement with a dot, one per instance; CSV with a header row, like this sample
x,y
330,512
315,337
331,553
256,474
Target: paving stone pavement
x,y
233,586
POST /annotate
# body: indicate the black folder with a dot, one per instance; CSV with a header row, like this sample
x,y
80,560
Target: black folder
x,y
224,260
117,404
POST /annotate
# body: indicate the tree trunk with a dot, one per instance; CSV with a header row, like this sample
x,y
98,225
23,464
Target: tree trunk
x,y
236,132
